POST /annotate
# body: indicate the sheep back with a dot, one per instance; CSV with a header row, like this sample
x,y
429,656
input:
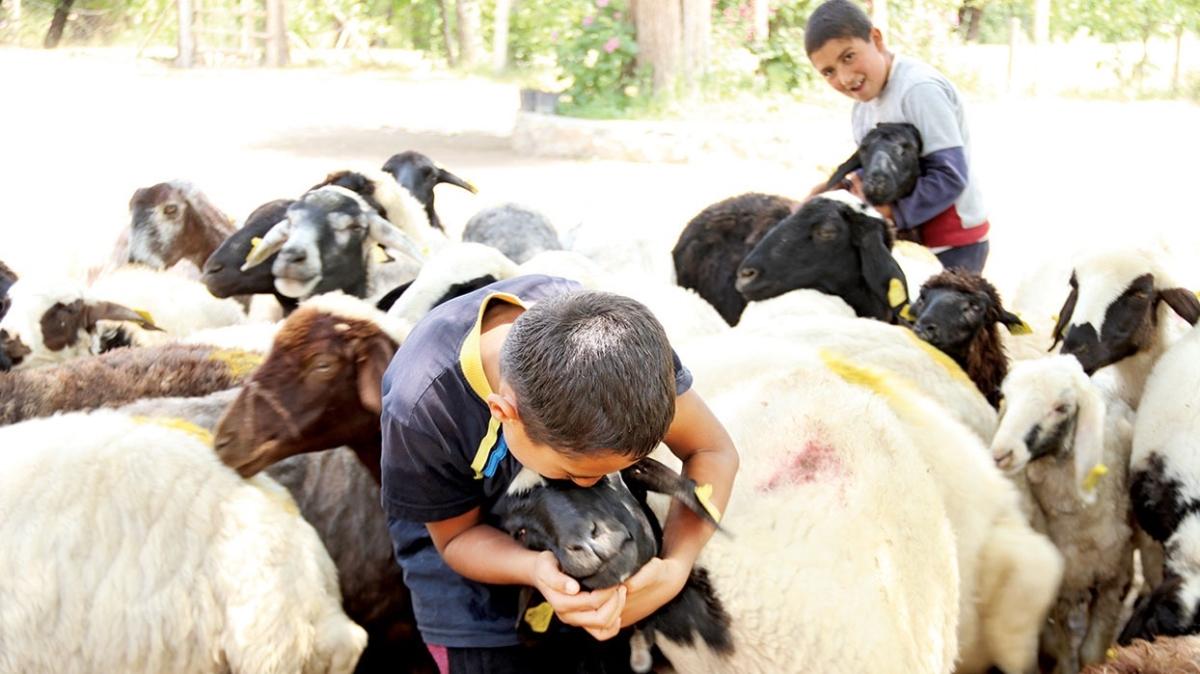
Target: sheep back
x,y
130,548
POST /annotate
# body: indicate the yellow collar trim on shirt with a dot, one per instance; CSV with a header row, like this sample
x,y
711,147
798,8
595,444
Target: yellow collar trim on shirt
x,y
472,366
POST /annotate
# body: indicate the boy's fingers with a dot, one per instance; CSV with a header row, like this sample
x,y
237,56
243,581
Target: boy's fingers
x,y
583,602
601,618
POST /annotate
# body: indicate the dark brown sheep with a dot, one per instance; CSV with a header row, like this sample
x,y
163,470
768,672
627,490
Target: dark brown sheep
x,y
712,245
119,377
960,313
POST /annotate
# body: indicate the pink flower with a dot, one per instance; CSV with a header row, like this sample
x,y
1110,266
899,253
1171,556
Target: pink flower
x,y
602,3
612,44
617,16
554,36
587,21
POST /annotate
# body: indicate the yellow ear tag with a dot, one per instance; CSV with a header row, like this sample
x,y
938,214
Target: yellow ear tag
x,y
539,616
704,496
1093,477
145,315
1054,319
254,243
1196,293
379,255
897,295
906,313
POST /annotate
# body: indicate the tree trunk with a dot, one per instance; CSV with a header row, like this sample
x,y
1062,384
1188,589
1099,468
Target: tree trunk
x,y
444,8
470,35
57,24
697,26
500,35
659,37
186,42
1041,22
277,46
762,21
1178,58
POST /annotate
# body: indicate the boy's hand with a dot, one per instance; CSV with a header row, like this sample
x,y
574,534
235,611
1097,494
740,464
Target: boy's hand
x,y
653,585
598,612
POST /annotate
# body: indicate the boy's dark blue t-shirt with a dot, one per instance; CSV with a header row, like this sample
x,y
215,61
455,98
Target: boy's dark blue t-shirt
x,y
443,455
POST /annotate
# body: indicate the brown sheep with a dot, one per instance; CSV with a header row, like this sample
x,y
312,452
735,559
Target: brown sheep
x,y
712,245
174,221
1164,655
318,388
960,313
121,376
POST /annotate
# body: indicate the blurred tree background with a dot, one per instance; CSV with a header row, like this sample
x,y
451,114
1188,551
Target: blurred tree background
x,y
612,58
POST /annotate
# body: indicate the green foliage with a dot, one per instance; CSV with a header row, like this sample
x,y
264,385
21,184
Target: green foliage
x,y
598,57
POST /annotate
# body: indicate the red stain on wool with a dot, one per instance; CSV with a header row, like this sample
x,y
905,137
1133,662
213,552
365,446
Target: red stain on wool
x,y
815,461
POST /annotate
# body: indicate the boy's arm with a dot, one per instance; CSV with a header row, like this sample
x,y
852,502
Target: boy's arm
x,y
943,162
709,457
485,554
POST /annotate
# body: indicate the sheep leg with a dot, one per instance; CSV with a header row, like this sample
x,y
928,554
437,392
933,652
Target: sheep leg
x,y
1103,618
1023,570
1057,653
1152,561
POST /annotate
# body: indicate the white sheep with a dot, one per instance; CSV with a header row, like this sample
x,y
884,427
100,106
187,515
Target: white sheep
x,y
1119,316
177,305
779,316
455,263
809,461
128,547
1073,448
1164,474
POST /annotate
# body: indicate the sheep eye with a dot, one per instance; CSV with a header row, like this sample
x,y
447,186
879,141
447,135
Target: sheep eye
x,y
1061,408
170,209
825,233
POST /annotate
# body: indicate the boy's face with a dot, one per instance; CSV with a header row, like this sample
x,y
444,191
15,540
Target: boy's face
x,y
555,464
852,66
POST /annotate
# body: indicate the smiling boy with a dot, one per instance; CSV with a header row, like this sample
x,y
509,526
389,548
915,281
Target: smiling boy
x,y
946,206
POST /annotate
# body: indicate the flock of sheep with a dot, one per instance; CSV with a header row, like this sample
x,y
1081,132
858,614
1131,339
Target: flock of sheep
x,y
931,480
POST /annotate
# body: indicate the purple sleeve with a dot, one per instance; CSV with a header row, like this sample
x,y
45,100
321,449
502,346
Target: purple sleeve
x,y
943,178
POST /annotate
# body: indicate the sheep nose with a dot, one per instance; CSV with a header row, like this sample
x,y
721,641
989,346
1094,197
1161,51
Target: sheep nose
x,y
926,331
213,268
1003,461
601,541
746,276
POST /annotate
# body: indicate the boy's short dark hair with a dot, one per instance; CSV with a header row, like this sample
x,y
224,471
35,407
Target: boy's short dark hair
x,y
591,370
833,20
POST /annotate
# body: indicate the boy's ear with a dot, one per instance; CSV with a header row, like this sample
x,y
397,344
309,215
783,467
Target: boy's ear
x,y
502,407
877,38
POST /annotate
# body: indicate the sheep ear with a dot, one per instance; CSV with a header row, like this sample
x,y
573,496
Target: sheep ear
x,y
445,176
384,232
1183,302
881,271
111,311
846,168
650,475
375,354
1014,323
1064,314
1089,441
270,244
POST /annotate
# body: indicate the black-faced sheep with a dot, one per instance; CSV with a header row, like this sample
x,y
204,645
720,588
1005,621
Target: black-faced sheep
x,y
119,377
222,271
1073,448
517,231
713,244
174,221
836,244
419,175
128,547
1165,467
1118,313
961,313
889,156
325,244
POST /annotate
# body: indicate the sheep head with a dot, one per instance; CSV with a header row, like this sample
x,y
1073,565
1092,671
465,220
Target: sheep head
x,y
173,221
324,244
318,388
889,156
836,244
419,175
959,312
1051,409
222,271
1115,306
